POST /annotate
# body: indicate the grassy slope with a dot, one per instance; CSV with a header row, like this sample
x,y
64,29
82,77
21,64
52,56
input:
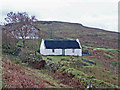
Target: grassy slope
x,y
87,36
99,71
43,73
90,38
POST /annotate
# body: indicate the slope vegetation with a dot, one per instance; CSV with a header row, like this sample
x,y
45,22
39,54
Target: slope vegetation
x,y
88,36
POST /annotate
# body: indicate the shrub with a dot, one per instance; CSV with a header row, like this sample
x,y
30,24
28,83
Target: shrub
x,y
27,55
9,43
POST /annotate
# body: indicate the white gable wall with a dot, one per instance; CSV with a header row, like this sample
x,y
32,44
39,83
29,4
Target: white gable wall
x,y
80,50
42,46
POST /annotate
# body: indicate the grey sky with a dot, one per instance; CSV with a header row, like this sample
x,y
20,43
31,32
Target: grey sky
x,y
93,13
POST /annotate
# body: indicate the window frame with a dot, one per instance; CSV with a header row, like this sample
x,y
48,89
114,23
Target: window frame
x,y
73,50
53,50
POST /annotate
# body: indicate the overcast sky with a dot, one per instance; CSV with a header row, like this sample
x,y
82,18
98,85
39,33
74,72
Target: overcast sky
x,y
92,13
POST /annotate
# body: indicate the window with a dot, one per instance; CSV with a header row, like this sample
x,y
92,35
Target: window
x,y
73,50
53,50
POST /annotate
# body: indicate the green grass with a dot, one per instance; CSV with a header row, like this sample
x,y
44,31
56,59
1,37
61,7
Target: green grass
x,y
109,56
98,70
57,59
115,63
3,85
15,59
67,60
86,78
115,51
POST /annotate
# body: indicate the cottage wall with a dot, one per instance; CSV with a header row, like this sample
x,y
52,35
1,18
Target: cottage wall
x,y
50,52
77,52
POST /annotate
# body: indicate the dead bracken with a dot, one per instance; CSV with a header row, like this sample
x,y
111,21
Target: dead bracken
x,y
14,77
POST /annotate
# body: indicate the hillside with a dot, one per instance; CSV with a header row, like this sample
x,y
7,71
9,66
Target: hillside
x,y
75,72
98,69
19,76
88,36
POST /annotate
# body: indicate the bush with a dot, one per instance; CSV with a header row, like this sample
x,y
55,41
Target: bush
x,y
27,55
38,64
9,43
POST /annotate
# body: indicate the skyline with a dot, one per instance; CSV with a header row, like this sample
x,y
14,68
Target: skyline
x,y
97,14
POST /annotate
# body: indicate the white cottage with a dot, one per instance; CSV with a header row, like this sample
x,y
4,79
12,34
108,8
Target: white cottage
x,y
61,47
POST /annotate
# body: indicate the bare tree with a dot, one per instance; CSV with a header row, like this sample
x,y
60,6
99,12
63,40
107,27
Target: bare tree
x,y
20,25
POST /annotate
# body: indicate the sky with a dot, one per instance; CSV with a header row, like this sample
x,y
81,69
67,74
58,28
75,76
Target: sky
x,y
101,14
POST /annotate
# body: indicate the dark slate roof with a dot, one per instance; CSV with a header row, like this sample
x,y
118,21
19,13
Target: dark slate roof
x,y
61,44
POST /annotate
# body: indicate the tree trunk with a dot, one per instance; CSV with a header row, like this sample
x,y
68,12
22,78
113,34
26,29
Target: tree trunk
x,y
23,43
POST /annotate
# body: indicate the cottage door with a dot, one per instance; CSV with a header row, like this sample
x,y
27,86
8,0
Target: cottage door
x,y
63,51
